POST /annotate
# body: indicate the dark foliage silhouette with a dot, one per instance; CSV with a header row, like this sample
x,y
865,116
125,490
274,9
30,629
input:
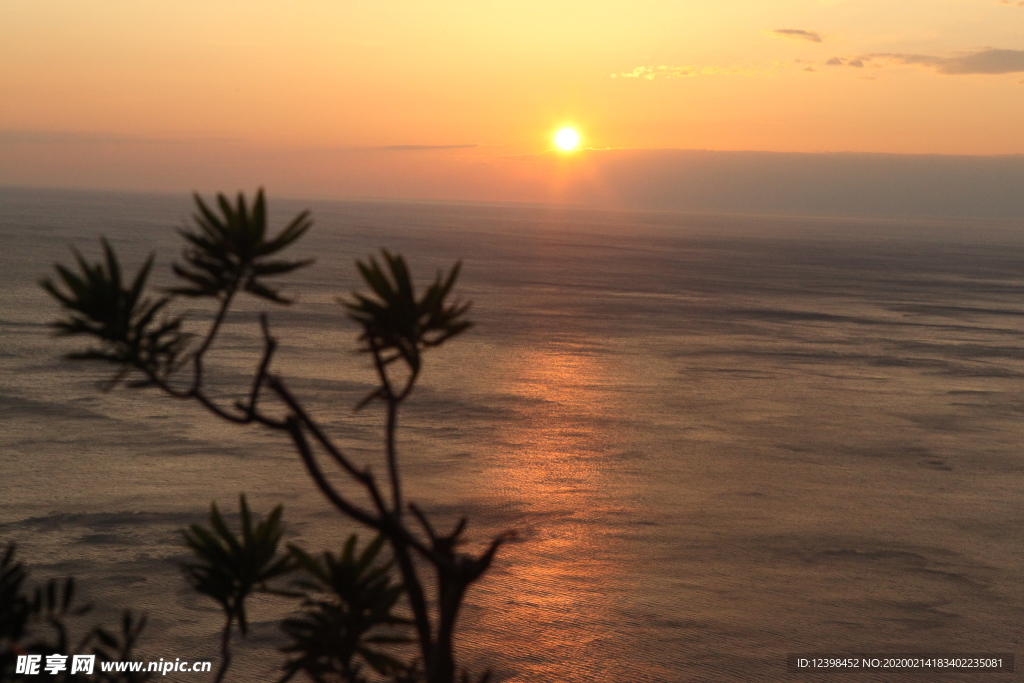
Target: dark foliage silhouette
x,y
47,619
229,567
348,615
229,253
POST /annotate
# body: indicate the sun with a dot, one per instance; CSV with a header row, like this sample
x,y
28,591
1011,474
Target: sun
x,y
567,139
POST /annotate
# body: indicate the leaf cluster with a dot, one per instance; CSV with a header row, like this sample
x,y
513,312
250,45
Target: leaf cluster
x,y
40,620
231,250
103,305
398,325
15,606
119,647
226,252
230,567
349,614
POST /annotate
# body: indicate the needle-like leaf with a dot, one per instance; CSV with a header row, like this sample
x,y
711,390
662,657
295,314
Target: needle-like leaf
x,y
229,251
398,325
118,316
349,613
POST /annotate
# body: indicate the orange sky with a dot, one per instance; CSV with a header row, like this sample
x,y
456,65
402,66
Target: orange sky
x,y
121,86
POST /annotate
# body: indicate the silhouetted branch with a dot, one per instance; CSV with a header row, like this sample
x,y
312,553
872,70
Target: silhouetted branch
x,y
269,346
459,528
302,445
197,358
427,526
289,399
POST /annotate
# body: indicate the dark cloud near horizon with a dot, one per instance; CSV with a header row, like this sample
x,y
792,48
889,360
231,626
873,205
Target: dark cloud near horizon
x,y
81,137
793,183
798,33
420,148
59,137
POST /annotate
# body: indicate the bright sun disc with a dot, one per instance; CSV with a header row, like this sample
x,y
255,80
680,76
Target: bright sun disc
x,y
567,139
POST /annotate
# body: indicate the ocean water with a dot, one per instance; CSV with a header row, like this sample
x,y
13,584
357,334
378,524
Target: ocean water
x,y
721,439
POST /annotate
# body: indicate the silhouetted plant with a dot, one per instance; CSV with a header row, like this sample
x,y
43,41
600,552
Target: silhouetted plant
x,y
119,648
228,253
349,613
15,611
41,621
125,322
230,567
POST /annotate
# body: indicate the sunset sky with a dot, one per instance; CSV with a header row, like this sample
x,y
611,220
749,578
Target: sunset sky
x,y
461,99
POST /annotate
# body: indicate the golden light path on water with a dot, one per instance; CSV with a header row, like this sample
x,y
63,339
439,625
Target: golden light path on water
x,y
561,581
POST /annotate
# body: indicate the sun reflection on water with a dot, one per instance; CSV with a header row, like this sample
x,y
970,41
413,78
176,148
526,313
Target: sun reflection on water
x,y
558,601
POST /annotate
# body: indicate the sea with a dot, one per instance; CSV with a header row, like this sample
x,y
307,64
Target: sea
x,y
721,440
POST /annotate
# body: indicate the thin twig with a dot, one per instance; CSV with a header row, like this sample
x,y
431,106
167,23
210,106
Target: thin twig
x,y
484,560
225,649
379,364
396,483
392,423
302,445
457,531
281,390
197,359
427,526
269,346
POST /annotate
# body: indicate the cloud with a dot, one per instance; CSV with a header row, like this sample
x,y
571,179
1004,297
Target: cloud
x,y
987,61
799,34
651,72
420,148
68,137
990,61
856,62
665,71
64,137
